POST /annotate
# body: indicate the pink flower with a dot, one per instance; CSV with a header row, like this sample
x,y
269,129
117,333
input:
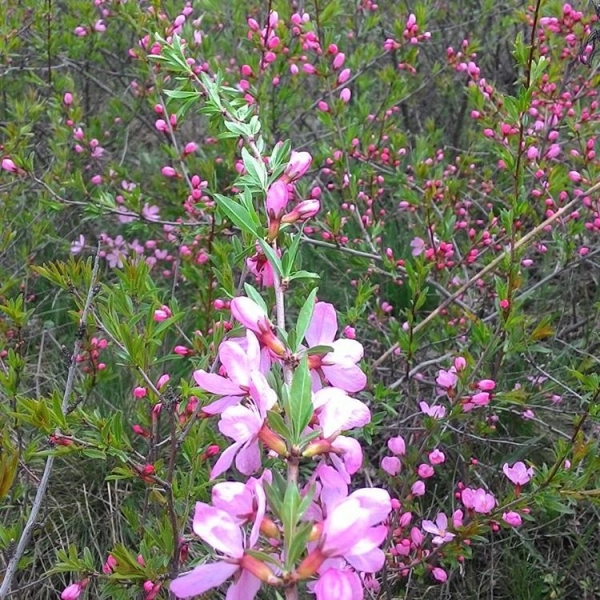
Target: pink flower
x,y
339,367
352,531
218,529
418,246
446,379
425,471
391,465
244,424
72,592
436,457
519,474
438,529
478,500
78,245
439,574
512,518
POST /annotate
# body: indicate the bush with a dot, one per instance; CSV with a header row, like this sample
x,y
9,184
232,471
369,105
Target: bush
x,y
275,225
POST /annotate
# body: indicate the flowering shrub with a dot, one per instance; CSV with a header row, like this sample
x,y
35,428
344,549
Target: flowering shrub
x,y
298,301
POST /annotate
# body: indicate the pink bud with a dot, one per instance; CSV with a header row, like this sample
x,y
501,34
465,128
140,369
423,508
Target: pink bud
x,y
344,76
190,148
139,392
181,350
418,488
575,176
71,592
9,165
405,520
163,380
169,172
302,211
345,95
486,385
68,99
309,69
339,59
277,199
391,465
460,363
397,445
298,165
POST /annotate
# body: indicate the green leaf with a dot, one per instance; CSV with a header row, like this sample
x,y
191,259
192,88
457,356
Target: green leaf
x,y
274,260
303,275
300,401
277,424
255,169
236,214
304,318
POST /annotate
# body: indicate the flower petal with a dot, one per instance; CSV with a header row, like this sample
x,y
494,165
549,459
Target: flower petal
x,y
202,579
323,325
218,529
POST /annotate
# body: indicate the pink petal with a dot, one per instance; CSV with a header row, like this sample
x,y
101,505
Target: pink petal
x,y
335,584
248,313
219,406
262,394
248,460
340,414
323,325
235,498
235,361
218,529
202,579
344,527
225,460
245,588
215,384
345,352
240,423
346,377
376,501
352,456
367,562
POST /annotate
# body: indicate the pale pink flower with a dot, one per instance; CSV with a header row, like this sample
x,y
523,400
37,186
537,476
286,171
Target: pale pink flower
x,y
447,379
478,500
425,471
218,529
436,457
438,529
78,245
418,246
337,412
435,411
519,474
239,364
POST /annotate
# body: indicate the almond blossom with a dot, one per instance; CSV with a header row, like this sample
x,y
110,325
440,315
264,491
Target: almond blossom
x,y
439,529
218,529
